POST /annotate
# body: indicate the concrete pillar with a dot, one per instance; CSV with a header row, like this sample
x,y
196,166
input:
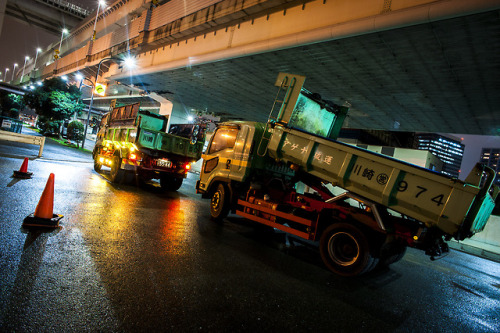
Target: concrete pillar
x,y
166,107
3,4
179,114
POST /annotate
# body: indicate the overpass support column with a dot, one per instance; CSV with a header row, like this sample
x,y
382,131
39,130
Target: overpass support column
x,y
166,107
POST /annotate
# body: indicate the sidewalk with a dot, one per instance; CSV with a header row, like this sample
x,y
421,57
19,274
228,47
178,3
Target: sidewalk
x,y
477,248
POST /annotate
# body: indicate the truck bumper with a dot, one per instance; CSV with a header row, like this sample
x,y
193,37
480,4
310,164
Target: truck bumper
x,y
198,189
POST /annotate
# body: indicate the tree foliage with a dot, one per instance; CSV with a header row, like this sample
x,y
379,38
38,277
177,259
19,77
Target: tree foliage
x,y
75,131
54,101
11,104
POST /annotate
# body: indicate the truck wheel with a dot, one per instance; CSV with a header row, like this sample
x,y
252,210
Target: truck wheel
x,y
219,204
170,183
116,173
345,250
391,253
97,165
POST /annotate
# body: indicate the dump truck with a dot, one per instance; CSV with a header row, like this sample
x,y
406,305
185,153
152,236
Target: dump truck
x,y
134,144
362,209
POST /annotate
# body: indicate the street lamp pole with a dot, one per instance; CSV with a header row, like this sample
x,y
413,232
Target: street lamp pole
x,y
13,72
24,67
92,95
38,50
58,51
101,3
5,76
64,31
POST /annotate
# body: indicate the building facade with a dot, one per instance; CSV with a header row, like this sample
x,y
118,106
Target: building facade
x,y
450,151
491,158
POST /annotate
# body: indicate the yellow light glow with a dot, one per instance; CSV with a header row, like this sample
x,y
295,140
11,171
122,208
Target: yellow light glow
x,y
101,159
100,89
415,237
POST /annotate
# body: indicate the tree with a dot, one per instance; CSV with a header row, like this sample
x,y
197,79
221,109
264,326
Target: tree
x,y
54,101
75,132
11,104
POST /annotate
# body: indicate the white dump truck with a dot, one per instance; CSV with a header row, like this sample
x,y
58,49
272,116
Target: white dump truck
x,y
363,209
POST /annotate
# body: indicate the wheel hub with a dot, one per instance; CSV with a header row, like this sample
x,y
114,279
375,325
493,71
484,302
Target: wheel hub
x,y
216,200
343,248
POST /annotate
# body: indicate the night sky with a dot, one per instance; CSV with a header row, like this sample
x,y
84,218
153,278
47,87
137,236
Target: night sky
x,y
18,40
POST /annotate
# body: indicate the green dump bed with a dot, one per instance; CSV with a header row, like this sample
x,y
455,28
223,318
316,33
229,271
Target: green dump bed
x,y
170,143
457,208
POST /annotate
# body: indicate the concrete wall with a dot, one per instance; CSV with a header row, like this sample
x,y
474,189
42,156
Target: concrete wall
x,y
491,233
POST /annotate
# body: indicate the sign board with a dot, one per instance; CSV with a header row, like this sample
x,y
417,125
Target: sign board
x,y
6,123
100,89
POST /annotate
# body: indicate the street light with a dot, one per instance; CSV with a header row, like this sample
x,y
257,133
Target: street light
x,y
58,51
5,76
24,67
128,61
13,71
38,50
64,31
101,3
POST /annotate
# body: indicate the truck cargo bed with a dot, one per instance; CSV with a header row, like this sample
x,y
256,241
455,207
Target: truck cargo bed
x,y
170,143
419,193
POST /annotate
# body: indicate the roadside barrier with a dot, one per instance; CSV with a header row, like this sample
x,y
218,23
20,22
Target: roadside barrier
x,y
44,213
23,171
24,138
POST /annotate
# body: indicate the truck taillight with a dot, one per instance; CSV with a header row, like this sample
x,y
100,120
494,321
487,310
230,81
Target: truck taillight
x,y
187,166
132,156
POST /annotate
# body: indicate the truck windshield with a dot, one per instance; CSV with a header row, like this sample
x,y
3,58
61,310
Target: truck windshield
x,y
224,138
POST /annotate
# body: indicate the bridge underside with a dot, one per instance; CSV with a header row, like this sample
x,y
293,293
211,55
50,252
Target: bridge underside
x,y
436,77
50,16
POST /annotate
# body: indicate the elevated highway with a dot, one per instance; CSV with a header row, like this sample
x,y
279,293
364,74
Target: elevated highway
x,y
418,65
49,15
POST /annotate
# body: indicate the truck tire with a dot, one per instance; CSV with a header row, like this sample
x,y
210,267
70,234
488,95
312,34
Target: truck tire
x,y
345,250
170,183
391,253
116,174
97,165
219,203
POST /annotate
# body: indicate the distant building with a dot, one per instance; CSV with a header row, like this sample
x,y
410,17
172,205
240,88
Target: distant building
x,y
491,157
447,149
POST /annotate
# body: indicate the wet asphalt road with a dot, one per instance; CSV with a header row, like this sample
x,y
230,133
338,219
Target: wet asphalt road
x,y
131,259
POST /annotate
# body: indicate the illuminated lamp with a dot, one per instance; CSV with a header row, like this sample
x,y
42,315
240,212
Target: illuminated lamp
x,y
100,89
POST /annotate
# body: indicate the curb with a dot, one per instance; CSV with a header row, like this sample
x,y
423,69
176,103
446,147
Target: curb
x,y
476,251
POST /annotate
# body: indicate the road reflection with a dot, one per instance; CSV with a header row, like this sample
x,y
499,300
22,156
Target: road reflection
x,y
26,277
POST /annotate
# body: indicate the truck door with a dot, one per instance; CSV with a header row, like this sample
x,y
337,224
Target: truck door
x,y
241,152
220,153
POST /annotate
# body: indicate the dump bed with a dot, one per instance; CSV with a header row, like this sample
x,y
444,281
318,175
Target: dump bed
x,y
170,143
457,208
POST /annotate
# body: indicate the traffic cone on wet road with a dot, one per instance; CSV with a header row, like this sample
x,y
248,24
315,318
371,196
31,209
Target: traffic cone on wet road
x,y
23,171
44,213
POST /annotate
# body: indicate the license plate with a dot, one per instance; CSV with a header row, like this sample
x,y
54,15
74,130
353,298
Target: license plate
x,y
163,163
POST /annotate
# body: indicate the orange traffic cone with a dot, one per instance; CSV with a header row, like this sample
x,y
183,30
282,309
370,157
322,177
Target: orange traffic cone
x,y
23,171
44,213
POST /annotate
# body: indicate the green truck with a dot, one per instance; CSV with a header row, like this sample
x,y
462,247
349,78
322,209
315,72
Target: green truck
x,y
134,144
361,208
